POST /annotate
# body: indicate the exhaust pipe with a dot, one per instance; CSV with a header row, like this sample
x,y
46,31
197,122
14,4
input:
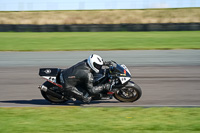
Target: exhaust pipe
x,y
50,92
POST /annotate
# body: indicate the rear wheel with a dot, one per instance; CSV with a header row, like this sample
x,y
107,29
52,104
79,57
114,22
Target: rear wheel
x,y
51,98
130,93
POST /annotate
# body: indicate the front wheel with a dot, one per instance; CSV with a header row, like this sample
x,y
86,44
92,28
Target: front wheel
x,y
130,93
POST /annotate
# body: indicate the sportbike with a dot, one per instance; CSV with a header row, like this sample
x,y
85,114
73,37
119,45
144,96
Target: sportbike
x,y
122,88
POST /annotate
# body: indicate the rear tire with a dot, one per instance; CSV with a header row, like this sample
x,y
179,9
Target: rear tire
x,y
130,93
50,98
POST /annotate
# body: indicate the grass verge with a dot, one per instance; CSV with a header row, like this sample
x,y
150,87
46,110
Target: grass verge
x,y
67,41
101,120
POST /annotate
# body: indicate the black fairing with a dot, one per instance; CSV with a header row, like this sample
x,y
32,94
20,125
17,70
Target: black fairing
x,y
120,71
115,71
49,71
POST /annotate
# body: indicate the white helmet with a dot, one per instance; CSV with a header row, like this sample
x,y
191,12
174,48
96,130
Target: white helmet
x,y
95,62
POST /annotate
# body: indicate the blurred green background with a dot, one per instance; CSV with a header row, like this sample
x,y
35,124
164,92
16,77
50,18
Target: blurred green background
x,y
99,119
62,41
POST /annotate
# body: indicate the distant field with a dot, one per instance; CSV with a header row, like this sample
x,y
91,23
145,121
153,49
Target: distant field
x,y
184,15
99,120
67,41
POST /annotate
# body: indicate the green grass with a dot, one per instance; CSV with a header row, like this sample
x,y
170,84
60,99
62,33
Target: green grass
x,y
99,120
62,41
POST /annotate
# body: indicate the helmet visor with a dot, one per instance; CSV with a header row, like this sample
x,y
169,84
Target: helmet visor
x,y
97,66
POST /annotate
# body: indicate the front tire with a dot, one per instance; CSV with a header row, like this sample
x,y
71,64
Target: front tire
x,y
130,93
51,98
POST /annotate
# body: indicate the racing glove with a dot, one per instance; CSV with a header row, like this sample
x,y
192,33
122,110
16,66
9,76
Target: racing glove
x,y
107,86
107,63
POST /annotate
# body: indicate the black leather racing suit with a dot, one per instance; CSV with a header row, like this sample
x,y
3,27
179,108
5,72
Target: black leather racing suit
x,y
79,77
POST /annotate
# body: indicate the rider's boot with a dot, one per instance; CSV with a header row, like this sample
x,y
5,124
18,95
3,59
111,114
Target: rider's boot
x,y
87,98
80,96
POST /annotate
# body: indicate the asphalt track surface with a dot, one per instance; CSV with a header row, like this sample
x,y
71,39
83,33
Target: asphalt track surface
x,y
167,77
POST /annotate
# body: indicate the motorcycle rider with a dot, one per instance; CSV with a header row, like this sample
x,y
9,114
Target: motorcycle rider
x,y
78,80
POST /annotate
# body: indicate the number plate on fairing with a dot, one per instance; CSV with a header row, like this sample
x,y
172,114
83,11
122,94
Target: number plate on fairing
x,y
50,78
124,79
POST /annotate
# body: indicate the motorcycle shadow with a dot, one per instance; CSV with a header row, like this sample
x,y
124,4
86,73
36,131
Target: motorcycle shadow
x,y
42,102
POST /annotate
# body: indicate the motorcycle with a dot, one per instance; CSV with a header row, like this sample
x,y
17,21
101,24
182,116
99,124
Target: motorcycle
x,y
119,76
